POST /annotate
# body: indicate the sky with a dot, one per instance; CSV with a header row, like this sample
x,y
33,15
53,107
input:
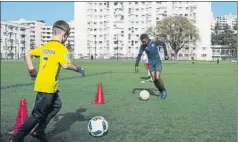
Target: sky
x,y
52,11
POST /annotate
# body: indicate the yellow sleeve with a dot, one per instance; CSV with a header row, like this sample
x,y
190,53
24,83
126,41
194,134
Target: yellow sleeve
x,y
36,51
64,58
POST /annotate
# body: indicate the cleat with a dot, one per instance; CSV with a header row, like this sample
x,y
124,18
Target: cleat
x,y
41,137
163,94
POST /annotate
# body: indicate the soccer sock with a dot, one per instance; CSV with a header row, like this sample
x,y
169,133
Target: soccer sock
x,y
149,73
156,85
159,84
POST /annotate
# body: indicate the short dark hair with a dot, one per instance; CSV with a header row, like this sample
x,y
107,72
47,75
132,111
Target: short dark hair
x,y
143,36
61,25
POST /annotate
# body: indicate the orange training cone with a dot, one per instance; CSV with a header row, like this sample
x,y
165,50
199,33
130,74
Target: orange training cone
x,y
99,99
22,116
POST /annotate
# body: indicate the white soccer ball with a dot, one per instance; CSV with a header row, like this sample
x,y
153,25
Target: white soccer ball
x,y
98,126
144,95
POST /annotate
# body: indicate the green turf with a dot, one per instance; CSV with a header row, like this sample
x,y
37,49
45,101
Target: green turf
x,y
200,106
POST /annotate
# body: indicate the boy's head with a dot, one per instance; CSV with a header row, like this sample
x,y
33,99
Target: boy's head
x,y
144,39
61,30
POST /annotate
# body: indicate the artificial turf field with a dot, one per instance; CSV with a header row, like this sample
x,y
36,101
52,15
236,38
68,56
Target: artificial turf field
x,y
201,103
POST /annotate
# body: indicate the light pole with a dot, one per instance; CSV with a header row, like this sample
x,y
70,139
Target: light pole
x,y
117,47
95,47
11,47
230,51
23,42
16,45
88,44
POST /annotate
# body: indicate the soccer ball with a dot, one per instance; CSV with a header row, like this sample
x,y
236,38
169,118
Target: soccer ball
x,y
98,126
144,95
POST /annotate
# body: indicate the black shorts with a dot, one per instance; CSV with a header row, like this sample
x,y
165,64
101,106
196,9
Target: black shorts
x,y
44,104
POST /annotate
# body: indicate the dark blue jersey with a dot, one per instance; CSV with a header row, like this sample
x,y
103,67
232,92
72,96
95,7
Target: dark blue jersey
x,y
152,51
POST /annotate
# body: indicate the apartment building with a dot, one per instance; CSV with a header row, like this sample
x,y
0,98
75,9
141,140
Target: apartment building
x,y
221,52
229,19
35,30
108,29
14,40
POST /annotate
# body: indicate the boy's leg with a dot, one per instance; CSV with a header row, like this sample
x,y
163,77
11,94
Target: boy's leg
x,y
159,81
39,113
148,71
153,74
55,108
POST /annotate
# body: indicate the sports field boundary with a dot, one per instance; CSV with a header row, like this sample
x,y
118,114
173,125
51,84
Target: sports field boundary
x,y
66,78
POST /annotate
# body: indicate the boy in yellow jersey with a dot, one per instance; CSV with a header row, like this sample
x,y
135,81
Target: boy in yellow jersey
x,y
53,56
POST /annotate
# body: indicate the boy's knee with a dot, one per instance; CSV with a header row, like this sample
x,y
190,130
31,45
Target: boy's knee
x,y
157,77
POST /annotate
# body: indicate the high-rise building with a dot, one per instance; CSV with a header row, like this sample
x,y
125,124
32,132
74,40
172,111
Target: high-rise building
x,y
228,19
14,40
35,30
108,29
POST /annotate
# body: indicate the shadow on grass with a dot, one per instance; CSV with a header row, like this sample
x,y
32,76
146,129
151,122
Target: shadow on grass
x,y
152,91
65,123
144,78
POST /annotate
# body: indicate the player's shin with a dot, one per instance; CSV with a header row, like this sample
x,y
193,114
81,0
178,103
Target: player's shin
x,y
149,75
159,84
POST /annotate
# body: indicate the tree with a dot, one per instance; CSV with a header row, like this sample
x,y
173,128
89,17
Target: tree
x,y
235,26
216,38
175,30
225,36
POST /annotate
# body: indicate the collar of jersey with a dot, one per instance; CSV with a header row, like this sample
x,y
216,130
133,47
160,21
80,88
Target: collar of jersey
x,y
55,41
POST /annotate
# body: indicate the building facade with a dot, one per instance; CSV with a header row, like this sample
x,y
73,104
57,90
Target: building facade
x,y
40,33
35,30
228,19
14,40
221,52
108,29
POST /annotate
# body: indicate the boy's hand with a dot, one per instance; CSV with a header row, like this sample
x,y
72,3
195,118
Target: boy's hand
x,y
33,74
81,70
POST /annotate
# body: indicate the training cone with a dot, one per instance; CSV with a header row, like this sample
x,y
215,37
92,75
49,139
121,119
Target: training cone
x,y
22,116
99,99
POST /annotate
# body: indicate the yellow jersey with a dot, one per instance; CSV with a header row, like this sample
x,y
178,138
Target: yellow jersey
x,y
52,55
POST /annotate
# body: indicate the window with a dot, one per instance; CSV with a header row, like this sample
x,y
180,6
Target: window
x,y
204,55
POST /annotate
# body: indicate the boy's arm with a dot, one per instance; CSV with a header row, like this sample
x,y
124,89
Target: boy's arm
x,y
33,52
138,58
29,54
163,45
29,61
65,62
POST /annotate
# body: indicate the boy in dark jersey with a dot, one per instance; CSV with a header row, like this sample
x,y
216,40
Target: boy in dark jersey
x,y
151,49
